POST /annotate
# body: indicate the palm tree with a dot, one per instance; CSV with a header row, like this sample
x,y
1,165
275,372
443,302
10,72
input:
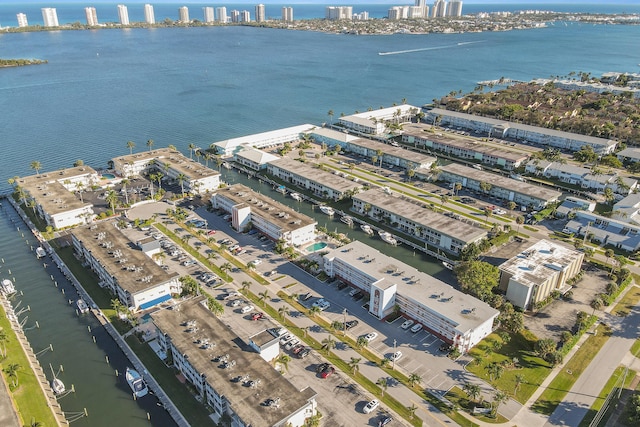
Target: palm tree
x,y
495,370
192,147
519,380
112,198
608,254
414,379
519,221
354,364
328,344
36,166
457,187
125,183
443,199
384,362
263,297
330,114
245,286
305,329
215,306
487,213
181,179
472,391
283,311
35,423
362,342
314,310
226,267
12,372
499,398
412,410
596,304
382,382
3,340
130,145
150,144
284,360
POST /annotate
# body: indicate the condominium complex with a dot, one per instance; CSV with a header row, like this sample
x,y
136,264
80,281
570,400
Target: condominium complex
x,y
222,14
149,16
376,122
50,17
455,8
172,166
245,16
262,140
439,9
227,374
122,267
321,183
414,218
533,274
91,15
390,155
457,318
407,12
287,14
338,12
208,14
57,196
530,134
249,208
183,14
260,17
235,15
123,14
22,20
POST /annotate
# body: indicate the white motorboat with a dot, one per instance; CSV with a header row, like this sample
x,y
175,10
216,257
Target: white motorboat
x,y
387,237
328,210
82,306
41,252
7,287
296,196
137,384
281,189
226,165
367,229
347,220
56,383
447,265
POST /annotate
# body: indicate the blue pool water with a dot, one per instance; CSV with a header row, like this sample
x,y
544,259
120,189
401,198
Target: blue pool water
x,y
316,247
108,175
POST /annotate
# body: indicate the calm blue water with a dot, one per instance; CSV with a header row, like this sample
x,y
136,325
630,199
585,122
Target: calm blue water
x,y
178,86
107,12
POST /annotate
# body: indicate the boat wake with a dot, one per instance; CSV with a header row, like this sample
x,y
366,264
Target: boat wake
x,y
398,52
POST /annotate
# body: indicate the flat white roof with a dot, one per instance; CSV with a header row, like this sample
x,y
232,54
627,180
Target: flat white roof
x,y
257,138
257,156
305,170
465,311
334,134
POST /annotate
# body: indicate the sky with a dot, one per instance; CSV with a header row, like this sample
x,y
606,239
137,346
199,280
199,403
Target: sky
x,y
327,2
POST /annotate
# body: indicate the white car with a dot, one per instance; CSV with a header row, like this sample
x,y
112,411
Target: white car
x,y
371,336
246,309
396,356
324,306
236,303
371,406
285,339
407,324
256,261
319,302
416,328
500,212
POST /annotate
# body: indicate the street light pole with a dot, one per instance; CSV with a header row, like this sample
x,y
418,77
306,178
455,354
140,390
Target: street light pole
x,y
394,354
344,323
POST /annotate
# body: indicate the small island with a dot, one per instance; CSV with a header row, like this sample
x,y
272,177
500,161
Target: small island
x,y
4,63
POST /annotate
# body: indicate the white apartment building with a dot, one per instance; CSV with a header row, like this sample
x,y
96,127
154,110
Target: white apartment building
x,y
390,155
413,218
322,183
54,195
196,178
222,14
50,17
268,139
209,15
277,221
454,8
245,16
149,15
457,318
439,9
533,274
338,12
22,20
183,14
260,16
235,15
127,272
375,122
254,159
398,12
232,381
362,16
287,14
123,14
91,15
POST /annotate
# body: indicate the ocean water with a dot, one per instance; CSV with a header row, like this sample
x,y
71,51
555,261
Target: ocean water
x,y
102,88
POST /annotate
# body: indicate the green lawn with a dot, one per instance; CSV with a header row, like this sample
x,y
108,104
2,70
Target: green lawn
x,y
195,413
460,398
635,348
626,304
531,367
562,383
613,381
27,396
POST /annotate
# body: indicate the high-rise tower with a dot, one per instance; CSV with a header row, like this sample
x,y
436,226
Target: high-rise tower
x,y
50,17
123,14
260,13
149,16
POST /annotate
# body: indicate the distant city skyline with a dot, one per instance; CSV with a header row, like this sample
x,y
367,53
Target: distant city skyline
x,y
53,3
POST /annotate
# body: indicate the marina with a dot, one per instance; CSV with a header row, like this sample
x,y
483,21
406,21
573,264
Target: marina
x,y
327,210
136,383
388,237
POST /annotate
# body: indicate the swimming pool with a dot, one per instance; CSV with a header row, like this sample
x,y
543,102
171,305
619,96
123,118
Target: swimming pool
x,y
108,176
316,247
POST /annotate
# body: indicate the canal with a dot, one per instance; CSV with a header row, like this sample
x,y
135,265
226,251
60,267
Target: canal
x,y
90,367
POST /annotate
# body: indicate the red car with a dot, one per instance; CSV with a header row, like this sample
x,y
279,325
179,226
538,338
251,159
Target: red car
x,y
326,373
211,232
257,316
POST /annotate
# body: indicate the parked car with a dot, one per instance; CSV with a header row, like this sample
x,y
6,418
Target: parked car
x,y
289,346
324,305
189,262
318,302
285,339
326,373
354,291
256,262
342,285
321,367
384,420
371,406
211,232
297,349
246,309
371,336
407,324
416,328
351,324
236,303
306,297
396,356
304,353
257,316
